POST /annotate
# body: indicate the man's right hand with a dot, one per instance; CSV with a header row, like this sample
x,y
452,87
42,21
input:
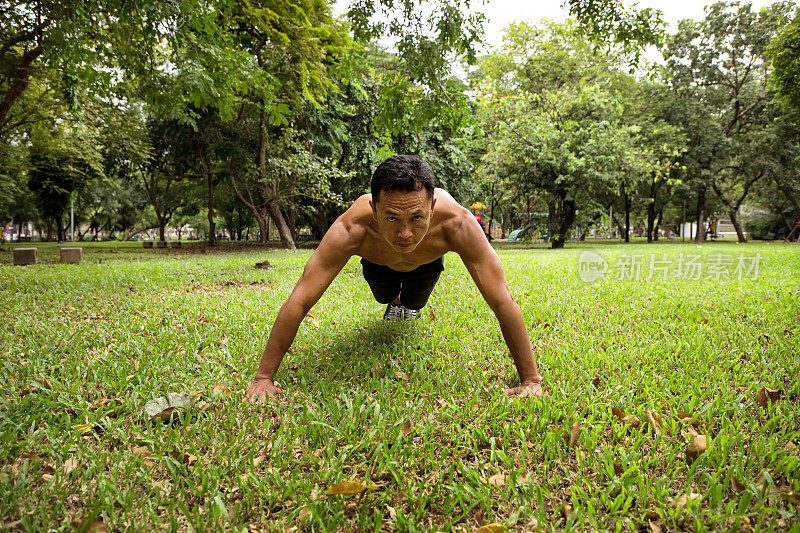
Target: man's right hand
x,y
262,389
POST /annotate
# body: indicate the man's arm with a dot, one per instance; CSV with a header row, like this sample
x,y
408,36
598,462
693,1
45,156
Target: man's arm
x,y
469,241
323,266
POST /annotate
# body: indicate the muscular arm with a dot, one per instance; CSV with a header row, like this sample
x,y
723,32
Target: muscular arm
x,y
468,240
323,266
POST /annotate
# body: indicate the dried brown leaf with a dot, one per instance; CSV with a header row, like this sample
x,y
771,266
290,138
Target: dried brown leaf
x,y
684,499
349,487
790,496
491,528
596,382
404,376
736,485
221,390
656,422
695,448
652,515
619,413
258,460
497,480
571,436
632,421
480,515
183,457
392,512
304,513
764,396
70,464
406,429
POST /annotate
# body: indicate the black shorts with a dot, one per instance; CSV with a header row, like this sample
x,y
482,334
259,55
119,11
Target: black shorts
x,y
414,287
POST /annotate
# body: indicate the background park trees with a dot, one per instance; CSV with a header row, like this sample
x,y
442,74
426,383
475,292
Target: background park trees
x,y
262,118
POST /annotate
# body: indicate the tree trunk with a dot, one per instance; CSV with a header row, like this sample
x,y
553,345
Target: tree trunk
x,y
261,217
700,236
212,230
737,225
267,189
562,217
283,228
651,218
627,199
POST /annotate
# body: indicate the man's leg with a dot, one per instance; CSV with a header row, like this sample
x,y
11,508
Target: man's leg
x,y
385,288
418,286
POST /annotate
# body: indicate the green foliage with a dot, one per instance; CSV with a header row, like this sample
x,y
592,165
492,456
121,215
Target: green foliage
x,y
784,51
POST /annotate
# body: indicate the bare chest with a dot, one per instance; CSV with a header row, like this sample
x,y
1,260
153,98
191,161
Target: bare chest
x,y
376,250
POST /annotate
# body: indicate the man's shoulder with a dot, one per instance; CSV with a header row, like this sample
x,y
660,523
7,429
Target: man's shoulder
x,y
349,230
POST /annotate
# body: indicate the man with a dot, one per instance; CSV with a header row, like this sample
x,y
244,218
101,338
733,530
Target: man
x,y
401,231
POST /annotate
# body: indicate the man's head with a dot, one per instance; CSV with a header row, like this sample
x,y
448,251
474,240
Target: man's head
x,y
402,201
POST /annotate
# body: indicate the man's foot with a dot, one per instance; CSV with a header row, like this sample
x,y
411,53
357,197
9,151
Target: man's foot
x,y
393,313
411,314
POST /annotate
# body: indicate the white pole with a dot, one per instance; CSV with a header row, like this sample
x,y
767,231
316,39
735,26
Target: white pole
x,y
72,219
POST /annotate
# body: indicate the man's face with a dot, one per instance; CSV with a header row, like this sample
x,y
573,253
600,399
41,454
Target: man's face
x,y
403,217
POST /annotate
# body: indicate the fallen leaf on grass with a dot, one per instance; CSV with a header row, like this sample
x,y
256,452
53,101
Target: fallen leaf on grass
x,y
404,376
491,528
304,513
571,436
87,428
70,464
685,499
764,396
406,429
652,515
221,390
656,422
596,382
258,460
166,407
695,448
497,480
737,485
480,515
631,420
790,496
392,512
349,487
183,457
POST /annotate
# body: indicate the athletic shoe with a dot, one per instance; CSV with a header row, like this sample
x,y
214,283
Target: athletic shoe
x,y
411,314
393,313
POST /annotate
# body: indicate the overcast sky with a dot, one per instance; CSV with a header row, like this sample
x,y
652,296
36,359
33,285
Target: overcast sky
x,y
500,13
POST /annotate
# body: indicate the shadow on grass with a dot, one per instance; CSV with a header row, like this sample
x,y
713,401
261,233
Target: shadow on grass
x,y
360,352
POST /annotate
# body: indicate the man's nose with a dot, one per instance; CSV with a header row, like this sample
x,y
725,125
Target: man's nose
x,y
405,231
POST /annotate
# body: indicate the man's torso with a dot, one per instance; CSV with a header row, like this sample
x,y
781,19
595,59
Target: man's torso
x,y
370,245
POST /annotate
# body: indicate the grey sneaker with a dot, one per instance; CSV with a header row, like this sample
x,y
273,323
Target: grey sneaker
x,y
411,314
393,313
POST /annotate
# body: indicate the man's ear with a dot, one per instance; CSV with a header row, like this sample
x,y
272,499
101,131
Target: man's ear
x,y
374,210
433,204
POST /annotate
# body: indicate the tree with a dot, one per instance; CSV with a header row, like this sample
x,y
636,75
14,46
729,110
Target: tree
x,y
784,52
721,62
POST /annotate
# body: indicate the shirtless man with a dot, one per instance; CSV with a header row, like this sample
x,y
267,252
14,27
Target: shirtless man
x,y
401,231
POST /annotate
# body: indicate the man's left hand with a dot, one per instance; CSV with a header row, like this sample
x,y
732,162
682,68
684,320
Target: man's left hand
x,y
526,389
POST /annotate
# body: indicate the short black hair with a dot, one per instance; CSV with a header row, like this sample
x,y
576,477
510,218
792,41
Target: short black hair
x,y
402,173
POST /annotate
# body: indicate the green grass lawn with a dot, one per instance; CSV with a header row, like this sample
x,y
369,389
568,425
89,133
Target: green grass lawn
x,y
84,347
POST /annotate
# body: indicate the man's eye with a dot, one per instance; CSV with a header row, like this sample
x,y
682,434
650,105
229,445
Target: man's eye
x,y
417,217
390,219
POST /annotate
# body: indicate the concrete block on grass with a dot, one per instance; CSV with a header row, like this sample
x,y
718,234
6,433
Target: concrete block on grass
x,y
26,256
175,244
71,255
148,244
161,244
